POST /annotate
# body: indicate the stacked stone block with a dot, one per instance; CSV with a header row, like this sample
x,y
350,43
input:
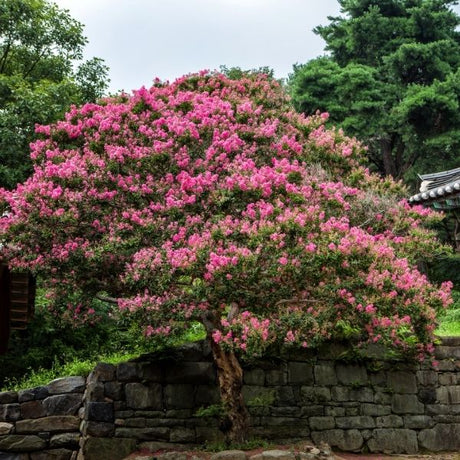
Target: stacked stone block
x,y
149,403
373,404
43,422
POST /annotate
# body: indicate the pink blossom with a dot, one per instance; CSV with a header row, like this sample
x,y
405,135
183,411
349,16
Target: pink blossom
x,y
217,336
370,309
283,260
290,337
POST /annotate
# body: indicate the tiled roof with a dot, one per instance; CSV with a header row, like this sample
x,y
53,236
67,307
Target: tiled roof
x,y
440,190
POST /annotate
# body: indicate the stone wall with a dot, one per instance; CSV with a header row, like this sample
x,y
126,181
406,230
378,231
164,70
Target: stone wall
x,y
43,422
376,405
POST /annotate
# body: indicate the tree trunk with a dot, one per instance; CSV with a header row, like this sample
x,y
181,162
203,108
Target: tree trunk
x,y
389,168
230,375
456,230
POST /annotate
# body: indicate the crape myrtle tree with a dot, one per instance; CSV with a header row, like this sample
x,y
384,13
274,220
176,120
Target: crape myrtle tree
x,y
391,78
41,75
209,200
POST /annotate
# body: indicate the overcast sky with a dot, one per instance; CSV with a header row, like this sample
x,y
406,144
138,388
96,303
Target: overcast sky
x,y
143,39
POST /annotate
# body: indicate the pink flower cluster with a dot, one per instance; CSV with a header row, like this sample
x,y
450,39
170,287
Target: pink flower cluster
x,y
246,332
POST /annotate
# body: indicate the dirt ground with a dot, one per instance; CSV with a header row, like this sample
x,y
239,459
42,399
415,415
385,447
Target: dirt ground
x,y
439,456
202,455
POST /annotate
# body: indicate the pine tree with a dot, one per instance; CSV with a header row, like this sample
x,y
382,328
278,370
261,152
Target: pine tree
x,y
392,79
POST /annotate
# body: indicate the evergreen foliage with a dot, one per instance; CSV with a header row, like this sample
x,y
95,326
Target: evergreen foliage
x,y
391,78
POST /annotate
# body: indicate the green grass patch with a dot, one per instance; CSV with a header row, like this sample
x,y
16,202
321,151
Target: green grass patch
x,y
34,377
448,329
39,377
449,321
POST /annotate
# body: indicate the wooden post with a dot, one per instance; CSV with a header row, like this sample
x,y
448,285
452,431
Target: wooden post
x,y
4,308
22,297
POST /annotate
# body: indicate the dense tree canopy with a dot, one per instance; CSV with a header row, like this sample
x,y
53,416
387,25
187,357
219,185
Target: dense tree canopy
x,y
392,79
40,46
210,200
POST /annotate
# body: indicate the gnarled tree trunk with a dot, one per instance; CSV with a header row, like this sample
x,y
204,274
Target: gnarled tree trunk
x,y
230,376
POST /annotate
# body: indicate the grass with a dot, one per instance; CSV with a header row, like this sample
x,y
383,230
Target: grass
x,y
449,329
42,376
82,367
449,322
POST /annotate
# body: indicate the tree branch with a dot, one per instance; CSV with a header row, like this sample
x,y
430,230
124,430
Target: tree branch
x,y
107,299
285,301
234,310
370,219
206,320
34,63
4,57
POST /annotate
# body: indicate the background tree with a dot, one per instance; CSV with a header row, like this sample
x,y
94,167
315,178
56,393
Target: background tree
x,y
209,200
40,46
392,80
236,73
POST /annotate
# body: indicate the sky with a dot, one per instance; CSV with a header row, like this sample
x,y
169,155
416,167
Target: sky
x,y
143,39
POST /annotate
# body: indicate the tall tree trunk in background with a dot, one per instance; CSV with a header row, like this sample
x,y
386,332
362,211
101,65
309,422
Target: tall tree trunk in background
x,y
456,230
230,376
389,168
